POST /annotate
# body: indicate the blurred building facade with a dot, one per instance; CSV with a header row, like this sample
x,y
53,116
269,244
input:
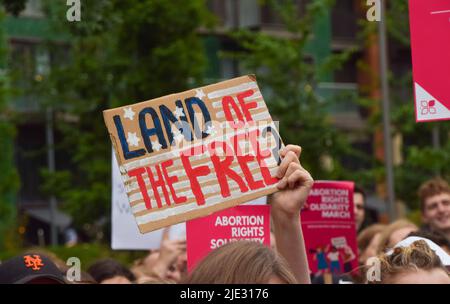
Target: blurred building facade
x,y
29,62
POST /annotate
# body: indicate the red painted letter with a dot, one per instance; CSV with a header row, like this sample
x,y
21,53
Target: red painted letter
x,y
223,169
260,156
228,101
138,174
247,106
158,183
244,160
170,181
193,173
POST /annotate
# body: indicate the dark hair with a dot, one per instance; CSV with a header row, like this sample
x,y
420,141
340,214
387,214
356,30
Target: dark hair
x,y
109,268
359,190
85,278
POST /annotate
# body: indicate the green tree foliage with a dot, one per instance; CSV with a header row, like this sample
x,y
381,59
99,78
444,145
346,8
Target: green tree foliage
x,y
120,52
289,78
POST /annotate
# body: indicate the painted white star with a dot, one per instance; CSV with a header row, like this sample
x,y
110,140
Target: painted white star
x,y
177,135
210,130
156,145
132,139
175,131
178,112
199,93
128,113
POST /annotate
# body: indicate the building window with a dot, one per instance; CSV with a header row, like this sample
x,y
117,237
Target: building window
x,y
33,9
344,19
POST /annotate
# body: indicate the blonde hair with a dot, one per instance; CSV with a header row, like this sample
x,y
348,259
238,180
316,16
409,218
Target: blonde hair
x,y
390,229
241,262
417,256
367,234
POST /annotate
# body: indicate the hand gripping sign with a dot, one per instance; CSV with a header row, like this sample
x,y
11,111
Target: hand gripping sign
x,y
430,48
190,154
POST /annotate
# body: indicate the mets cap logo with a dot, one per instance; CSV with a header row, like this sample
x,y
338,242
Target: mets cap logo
x,y
34,262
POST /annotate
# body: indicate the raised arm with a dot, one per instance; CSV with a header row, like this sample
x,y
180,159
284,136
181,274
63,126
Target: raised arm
x,y
294,187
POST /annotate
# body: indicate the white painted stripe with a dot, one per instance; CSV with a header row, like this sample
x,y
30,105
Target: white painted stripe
x,y
260,105
256,117
256,95
154,159
136,196
141,206
233,90
220,114
262,116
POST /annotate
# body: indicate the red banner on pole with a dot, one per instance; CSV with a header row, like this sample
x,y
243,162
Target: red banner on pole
x,y
430,48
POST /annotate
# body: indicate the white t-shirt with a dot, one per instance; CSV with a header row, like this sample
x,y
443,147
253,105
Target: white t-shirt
x,y
333,256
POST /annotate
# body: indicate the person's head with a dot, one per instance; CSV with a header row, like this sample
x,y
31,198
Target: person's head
x,y
146,263
241,262
434,198
359,204
394,233
62,266
368,241
413,264
435,237
109,271
31,268
85,278
143,268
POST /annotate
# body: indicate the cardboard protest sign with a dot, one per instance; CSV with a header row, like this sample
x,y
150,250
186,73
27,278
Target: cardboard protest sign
x,y
125,234
329,229
430,48
190,154
239,223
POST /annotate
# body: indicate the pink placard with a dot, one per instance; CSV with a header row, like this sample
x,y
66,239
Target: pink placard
x,y
329,228
238,223
430,48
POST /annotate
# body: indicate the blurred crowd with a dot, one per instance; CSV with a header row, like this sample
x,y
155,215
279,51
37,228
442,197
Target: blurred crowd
x,y
399,252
